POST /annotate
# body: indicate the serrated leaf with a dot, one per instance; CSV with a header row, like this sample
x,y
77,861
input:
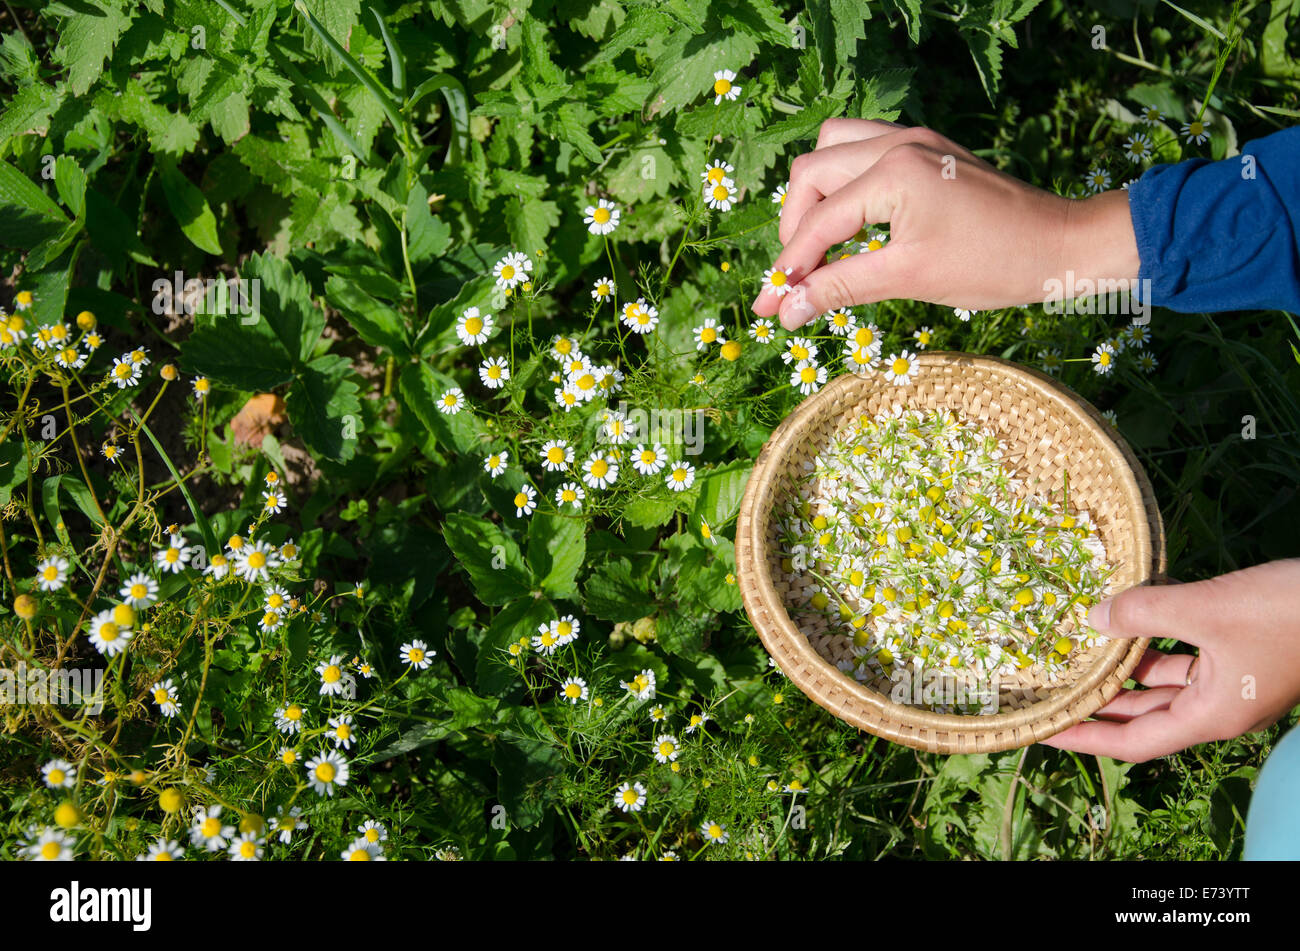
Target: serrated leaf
x,y
531,222
375,322
283,302
323,407
427,235
802,125
759,18
612,593
557,546
27,215
986,51
572,127
648,512
28,110
246,357
838,25
491,557
688,61
86,40
190,209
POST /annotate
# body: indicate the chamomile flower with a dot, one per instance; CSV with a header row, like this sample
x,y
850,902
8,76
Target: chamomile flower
x,y
922,337
1103,358
762,331
1051,359
1097,180
255,560
797,350
246,848
681,475
333,678
642,686
600,471
1194,131
208,830
557,455
59,774
841,322
108,636
665,748
163,850
602,289
720,196
640,317
708,333
493,372
496,463
716,171
649,460
525,501
70,358
201,387
574,690
602,217
288,719
110,452
362,849
452,401
697,721
341,731
372,831
124,372
570,494
140,591
900,368
52,573
861,360
963,314
630,797
174,557
164,695
327,772
285,824
1151,115
777,280
808,377
547,640
274,501
138,357
724,86
873,243
512,269
417,654
778,196
616,428
52,845
714,833
1109,416
1137,147
1146,361
568,397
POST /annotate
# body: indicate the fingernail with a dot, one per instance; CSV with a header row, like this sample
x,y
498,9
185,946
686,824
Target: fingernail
x,y
1099,616
796,315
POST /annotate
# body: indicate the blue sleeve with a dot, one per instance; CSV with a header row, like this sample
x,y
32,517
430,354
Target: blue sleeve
x,y
1222,235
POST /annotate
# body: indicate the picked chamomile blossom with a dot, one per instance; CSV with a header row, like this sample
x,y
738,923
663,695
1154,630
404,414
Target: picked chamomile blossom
x,y
909,538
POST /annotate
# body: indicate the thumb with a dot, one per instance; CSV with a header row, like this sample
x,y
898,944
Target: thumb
x,y
858,279
1159,610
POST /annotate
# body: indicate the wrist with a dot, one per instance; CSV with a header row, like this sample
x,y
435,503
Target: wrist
x,y
1099,242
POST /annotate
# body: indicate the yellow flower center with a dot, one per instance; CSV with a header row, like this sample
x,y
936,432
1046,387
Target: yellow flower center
x,y
211,827
331,674
359,855
599,468
256,560
720,193
473,326
51,573
50,851
108,631
900,366
708,335
600,216
778,278
722,86
508,272
808,375
521,500
325,772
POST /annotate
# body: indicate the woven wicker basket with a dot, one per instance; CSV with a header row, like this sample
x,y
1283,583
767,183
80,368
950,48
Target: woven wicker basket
x,y
1047,431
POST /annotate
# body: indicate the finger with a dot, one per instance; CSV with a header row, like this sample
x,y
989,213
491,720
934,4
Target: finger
x,y
838,131
816,175
872,196
1158,733
1158,669
860,279
1184,611
1128,704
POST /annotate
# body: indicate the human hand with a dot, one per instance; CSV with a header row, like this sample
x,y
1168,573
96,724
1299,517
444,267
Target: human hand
x,y
962,233
1247,625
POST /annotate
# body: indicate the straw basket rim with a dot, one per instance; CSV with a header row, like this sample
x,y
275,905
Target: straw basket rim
x,y
873,712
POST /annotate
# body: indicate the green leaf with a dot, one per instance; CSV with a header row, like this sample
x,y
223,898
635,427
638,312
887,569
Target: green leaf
x,y
490,557
557,545
28,110
572,122
803,124
612,593
284,304
70,181
324,408
530,223
519,618
686,65
838,25
341,16
395,56
911,11
13,468
190,209
649,512
419,388
759,18
246,357
457,110
27,215
376,323
87,38
721,490
112,232
986,51
427,235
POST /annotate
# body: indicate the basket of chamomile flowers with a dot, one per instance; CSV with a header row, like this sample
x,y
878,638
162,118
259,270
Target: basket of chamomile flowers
x,y
919,557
